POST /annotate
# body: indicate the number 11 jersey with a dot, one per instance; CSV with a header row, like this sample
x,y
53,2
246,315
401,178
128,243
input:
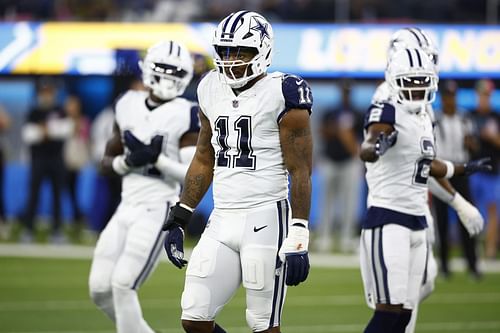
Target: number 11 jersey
x,y
249,170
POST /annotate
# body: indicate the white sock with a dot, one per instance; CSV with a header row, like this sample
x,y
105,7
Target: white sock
x,y
128,312
104,301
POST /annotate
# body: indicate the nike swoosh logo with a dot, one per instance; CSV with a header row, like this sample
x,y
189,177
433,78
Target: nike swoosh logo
x,y
255,229
299,82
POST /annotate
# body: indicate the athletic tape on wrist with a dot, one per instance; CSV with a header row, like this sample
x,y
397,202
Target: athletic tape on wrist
x,y
300,222
450,169
119,165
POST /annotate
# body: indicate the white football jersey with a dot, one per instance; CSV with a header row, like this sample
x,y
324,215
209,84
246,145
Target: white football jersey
x,y
170,120
249,169
398,179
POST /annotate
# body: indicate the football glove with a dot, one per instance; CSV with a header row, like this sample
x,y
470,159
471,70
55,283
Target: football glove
x,y
483,164
141,154
177,220
294,253
468,215
384,142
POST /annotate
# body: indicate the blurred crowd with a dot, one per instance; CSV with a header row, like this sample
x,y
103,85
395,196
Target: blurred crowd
x,y
457,11
62,139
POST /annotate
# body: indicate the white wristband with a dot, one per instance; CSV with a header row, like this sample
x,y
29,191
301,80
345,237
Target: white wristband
x,y
450,169
304,222
119,165
186,207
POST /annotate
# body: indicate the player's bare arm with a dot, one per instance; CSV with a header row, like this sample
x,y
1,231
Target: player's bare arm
x,y
114,147
446,169
200,172
188,139
296,144
368,151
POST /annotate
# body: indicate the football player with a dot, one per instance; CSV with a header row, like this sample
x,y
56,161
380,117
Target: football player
x,y
399,153
153,142
255,131
439,187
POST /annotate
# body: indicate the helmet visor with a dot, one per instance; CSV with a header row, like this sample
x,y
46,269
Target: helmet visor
x,y
162,69
416,88
234,62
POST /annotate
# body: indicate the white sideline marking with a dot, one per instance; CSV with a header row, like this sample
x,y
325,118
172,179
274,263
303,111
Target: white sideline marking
x,y
316,259
422,327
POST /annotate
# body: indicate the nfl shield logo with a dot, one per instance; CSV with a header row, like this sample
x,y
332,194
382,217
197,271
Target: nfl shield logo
x,y
235,104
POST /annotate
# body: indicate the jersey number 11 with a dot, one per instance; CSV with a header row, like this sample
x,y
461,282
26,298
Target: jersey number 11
x,y
244,158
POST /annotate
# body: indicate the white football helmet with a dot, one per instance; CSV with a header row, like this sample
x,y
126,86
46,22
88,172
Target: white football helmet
x,y
243,29
413,38
167,69
412,78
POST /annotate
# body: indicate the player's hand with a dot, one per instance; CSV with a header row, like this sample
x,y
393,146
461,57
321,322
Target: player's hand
x,y
384,142
483,164
294,253
177,220
174,246
141,154
468,215
155,147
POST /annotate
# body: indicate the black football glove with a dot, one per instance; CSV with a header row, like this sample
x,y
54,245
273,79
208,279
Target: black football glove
x,y
177,220
483,164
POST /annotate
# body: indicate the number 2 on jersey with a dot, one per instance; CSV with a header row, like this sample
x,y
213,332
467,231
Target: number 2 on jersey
x,y
423,165
244,158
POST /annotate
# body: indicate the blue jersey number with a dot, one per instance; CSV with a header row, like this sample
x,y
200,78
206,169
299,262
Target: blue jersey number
x,y
221,127
244,158
150,170
423,165
422,170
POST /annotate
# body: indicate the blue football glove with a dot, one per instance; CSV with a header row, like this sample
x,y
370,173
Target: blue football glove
x,y
384,142
294,253
141,154
177,220
132,142
483,164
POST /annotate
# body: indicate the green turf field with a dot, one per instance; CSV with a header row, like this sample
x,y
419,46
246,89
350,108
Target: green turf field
x,y
50,295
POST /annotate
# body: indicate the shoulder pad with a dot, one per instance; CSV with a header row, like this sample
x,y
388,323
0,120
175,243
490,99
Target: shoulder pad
x,y
297,92
380,113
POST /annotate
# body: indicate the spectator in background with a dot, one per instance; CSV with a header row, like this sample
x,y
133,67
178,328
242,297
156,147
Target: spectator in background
x,y
341,173
45,131
76,153
201,65
486,185
454,141
4,125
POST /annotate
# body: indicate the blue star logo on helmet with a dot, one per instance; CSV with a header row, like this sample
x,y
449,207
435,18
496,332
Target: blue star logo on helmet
x,y
261,28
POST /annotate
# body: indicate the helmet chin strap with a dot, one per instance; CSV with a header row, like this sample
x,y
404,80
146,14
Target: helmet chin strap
x,y
238,85
244,80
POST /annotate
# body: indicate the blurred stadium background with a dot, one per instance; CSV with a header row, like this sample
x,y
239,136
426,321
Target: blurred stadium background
x,y
89,51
